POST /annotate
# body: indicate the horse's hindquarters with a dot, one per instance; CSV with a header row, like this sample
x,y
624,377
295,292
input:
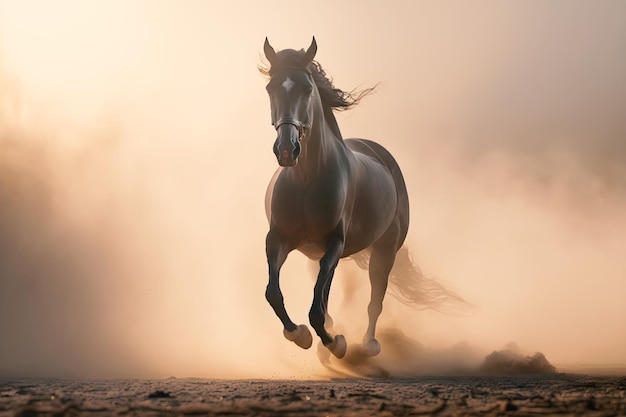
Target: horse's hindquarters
x,y
375,204
374,153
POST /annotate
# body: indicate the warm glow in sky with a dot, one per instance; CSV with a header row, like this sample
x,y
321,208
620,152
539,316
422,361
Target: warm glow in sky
x,y
136,145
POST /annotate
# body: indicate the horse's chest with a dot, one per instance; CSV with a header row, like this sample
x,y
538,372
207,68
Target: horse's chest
x,y
307,214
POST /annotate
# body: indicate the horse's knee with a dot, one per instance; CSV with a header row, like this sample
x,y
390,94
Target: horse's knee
x,y
273,295
316,318
375,308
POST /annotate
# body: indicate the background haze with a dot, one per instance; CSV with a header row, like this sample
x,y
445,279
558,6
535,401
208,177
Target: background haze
x,y
135,148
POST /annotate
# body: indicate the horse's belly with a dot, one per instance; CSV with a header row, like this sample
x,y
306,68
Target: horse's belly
x,y
311,251
374,209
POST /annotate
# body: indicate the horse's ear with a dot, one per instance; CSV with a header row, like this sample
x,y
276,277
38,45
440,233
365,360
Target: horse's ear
x,y
310,53
270,53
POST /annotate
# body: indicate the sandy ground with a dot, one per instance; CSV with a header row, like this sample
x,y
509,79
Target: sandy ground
x,y
563,394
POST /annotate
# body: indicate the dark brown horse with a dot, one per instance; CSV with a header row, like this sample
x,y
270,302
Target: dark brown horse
x,y
330,198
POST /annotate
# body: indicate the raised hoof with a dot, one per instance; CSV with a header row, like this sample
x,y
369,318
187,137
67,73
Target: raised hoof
x,y
338,346
371,346
301,336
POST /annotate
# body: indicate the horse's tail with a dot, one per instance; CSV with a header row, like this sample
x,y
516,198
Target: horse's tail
x,y
410,286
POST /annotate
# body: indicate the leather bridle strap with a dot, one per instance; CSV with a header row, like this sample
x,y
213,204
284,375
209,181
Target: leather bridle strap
x,y
295,122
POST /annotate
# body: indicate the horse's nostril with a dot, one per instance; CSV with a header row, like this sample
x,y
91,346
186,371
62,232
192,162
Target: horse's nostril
x,y
296,150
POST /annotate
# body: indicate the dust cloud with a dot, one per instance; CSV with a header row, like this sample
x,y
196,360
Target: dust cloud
x,y
110,259
135,148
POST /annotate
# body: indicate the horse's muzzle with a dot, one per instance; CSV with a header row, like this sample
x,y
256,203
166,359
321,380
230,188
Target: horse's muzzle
x,y
287,146
286,160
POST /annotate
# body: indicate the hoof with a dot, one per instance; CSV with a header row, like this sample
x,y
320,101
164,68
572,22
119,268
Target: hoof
x,y
338,346
371,346
301,336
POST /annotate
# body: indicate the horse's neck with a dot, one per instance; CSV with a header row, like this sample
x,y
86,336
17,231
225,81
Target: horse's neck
x,y
322,152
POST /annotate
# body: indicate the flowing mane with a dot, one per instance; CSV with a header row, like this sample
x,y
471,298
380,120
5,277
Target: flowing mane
x,y
332,97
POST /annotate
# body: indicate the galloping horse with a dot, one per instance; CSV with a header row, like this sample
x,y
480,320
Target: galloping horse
x,y
330,198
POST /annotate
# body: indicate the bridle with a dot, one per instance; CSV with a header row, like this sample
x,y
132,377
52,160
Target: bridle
x,y
302,127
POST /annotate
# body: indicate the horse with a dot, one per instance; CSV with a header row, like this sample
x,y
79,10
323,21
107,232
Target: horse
x,y
330,197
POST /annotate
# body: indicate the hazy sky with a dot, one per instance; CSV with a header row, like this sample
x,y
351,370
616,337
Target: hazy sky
x,y
135,148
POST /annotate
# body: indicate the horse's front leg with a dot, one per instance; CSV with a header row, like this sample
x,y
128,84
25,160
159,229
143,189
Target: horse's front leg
x,y
328,263
277,248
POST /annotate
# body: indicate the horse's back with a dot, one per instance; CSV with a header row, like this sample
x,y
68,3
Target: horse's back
x,y
383,156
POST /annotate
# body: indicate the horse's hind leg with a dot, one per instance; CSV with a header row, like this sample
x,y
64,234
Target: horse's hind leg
x,y
381,261
277,250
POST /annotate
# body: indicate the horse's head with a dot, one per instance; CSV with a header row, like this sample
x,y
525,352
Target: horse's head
x,y
290,89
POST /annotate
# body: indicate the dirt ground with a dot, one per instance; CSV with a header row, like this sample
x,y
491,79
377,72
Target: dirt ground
x,y
563,394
